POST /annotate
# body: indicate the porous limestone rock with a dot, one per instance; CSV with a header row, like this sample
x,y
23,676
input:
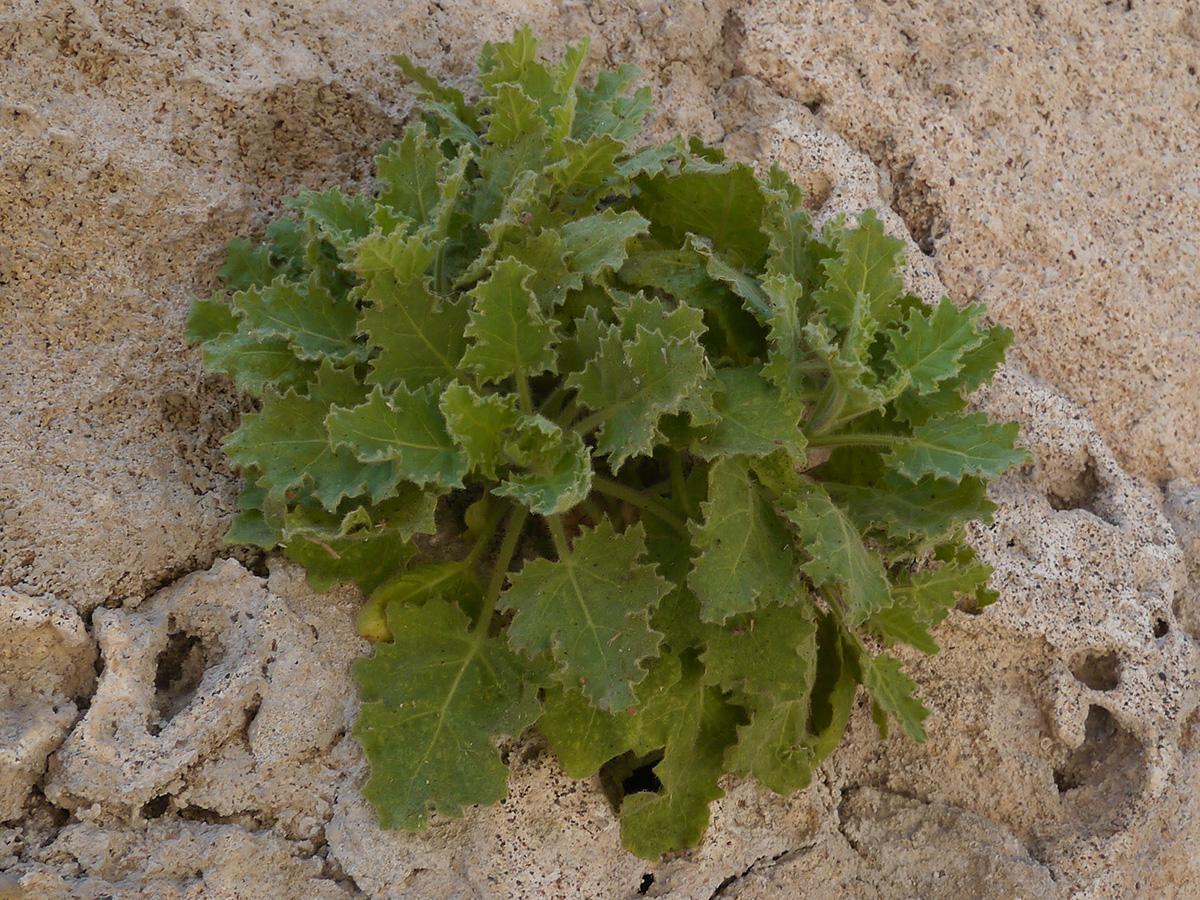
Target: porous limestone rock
x,y
1045,155
46,666
1043,159
207,702
171,860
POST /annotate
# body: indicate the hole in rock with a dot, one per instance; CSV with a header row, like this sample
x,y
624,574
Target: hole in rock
x,y
1161,627
156,808
181,665
629,774
647,883
1103,777
914,205
1079,490
1101,671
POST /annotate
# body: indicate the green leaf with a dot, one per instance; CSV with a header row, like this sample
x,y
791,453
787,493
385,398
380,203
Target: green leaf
x,y
791,732
436,92
339,219
448,581
586,166
288,443
956,447
411,174
511,227
405,427
788,357
976,367
865,265
877,498
512,115
499,169
924,598
315,324
744,553
635,382
516,62
254,365
793,252
850,378
479,425
598,243
419,336
694,726
775,747
249,525
741,282
365,546
547,256
591,609
755,418
722,203
210,319
585,737
246,266
771,651
603,110
930,347
837,555
679,272
556,485
893,691
509,335
432,703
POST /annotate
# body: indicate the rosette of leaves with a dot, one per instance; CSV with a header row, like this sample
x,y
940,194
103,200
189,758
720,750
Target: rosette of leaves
x,y
693,465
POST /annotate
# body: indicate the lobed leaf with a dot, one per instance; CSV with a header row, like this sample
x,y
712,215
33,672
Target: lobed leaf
x,y
288,444
837,555
755,419
509,335
433,701
744,557
404,427
956,447
590,609
636,381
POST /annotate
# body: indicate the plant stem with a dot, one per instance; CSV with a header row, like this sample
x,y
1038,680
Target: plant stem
x,y
526,395
552,405
589,424
568,414
561,545
512,534
829,407
679,485
855,440
640,500
593,510
489,528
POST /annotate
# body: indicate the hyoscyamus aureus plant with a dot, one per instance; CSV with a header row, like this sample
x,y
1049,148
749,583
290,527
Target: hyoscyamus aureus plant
x,y
697,464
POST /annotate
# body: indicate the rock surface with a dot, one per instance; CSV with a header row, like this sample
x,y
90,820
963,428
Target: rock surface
x,y
1043,159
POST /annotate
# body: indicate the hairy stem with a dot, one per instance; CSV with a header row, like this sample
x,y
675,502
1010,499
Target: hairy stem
x,y
512,534
589,424
526,394
679,485
562,546
855,440
640,500
489,529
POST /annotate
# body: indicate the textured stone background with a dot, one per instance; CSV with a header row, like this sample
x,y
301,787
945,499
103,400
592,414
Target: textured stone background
x,y
1044,157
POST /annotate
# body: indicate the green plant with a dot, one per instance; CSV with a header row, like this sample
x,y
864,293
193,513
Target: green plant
x,y
691,465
